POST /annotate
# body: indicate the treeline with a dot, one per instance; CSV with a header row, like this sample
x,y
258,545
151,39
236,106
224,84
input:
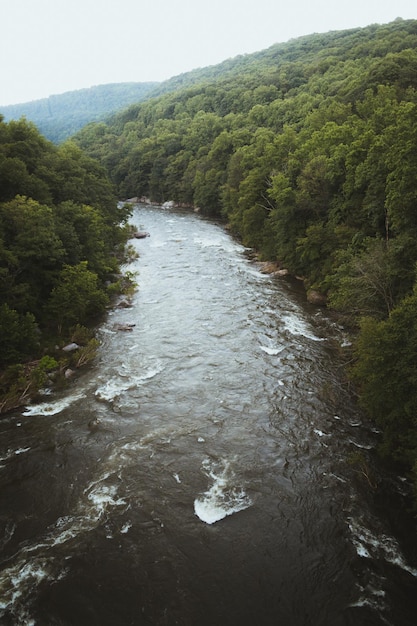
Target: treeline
x,y
309,151
60,231
60,116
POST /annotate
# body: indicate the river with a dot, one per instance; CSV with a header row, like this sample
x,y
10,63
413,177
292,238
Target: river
x,y
217,487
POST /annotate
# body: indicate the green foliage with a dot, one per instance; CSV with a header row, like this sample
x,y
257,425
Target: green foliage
x,y
18,336
39,375
34,251
386,370
86,353
365,280
14,387
60,116
81,334
60,232
76,298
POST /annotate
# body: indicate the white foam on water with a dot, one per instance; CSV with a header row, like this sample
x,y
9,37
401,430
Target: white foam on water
x,y
18,579
70,530
108,331
11,453
297,326
271,351
224,497
362,446
33,563
372,597
117,385
54,407
102,497
32,571
113,388
209,242
21,450
371,546
125,528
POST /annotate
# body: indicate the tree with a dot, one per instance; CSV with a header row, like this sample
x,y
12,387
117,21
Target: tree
x,y
34,252
386,370
77,297
19,336
86,237
364,282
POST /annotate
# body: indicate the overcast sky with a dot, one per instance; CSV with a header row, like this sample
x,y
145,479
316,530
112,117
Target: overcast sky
x,y
52,46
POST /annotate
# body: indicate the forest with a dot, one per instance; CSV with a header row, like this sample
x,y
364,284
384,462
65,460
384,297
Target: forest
x,y
60,116
306,150
62,237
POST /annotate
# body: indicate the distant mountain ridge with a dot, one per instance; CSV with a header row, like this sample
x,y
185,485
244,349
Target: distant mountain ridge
x,y
60,116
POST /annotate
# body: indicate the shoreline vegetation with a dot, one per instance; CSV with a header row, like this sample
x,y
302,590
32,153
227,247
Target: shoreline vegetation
x,y
63,237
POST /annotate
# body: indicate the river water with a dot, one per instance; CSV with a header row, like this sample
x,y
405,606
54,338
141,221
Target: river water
x,y
217,487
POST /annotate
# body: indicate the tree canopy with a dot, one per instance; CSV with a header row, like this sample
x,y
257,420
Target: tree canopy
x,y
60,229
60,116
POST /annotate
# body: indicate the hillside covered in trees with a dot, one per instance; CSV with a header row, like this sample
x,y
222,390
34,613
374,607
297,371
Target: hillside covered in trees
x,y
309,150
61,239
60,116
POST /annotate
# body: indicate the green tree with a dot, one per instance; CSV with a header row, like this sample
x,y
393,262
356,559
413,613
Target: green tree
x,y
34,252
365,280
386,370
19,336
86,237
77,297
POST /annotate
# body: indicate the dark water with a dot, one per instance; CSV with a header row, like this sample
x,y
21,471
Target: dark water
x,y
217,488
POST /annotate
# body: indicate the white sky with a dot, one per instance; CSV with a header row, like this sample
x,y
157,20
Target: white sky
x,y
52,46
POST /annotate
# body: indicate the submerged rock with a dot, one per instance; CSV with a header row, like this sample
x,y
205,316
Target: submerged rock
x,y
124,327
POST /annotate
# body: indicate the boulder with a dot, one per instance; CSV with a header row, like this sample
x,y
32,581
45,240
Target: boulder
x,y
140,234
124,327
268,267
315,297
125,304
71,347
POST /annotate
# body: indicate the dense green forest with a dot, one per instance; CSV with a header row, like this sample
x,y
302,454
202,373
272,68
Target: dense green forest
x,y
60,116
62,236
309,150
